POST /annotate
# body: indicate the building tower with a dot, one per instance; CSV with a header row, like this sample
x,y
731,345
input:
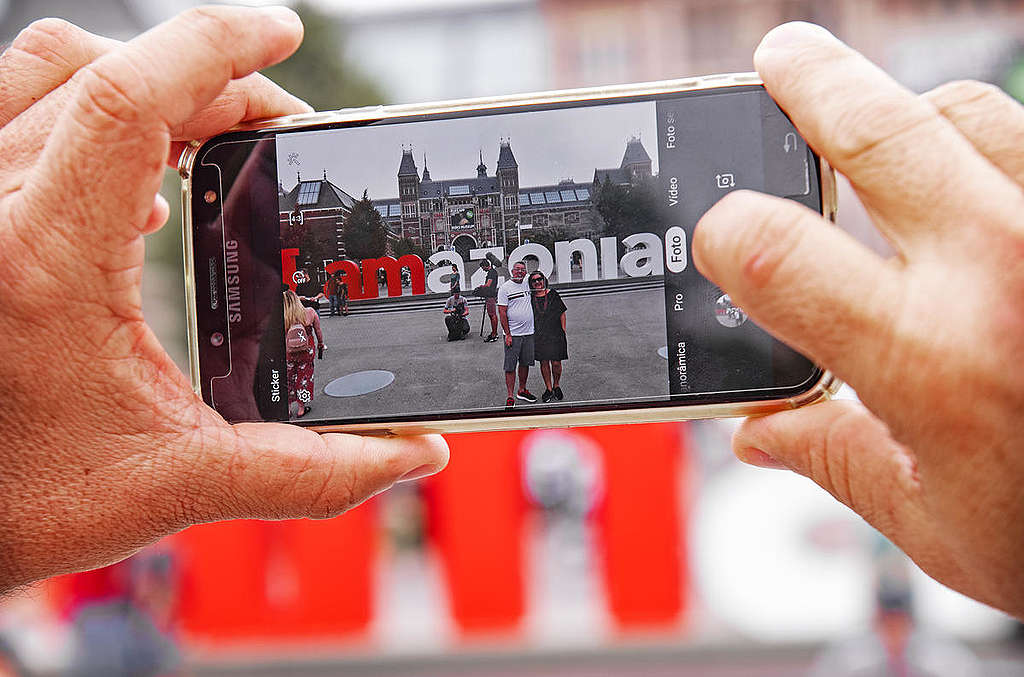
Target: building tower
x,y
481,169
508,185
409,196
636,160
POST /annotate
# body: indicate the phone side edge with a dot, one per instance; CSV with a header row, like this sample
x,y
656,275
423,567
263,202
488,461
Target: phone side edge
x,y
823,389
829,197
185,165
384,112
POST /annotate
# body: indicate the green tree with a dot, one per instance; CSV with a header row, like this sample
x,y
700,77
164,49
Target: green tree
x,y
629,209
317,245
317,73
548,236
365,234
407,245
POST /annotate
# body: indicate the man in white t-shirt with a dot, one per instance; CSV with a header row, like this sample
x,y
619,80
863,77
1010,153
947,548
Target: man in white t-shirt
x,y
515,310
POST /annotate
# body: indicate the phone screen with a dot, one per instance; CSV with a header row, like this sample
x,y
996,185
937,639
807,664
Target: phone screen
x,y
489,263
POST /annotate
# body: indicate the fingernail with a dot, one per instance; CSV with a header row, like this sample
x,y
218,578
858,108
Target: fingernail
x,y
425,470
282,15
758,458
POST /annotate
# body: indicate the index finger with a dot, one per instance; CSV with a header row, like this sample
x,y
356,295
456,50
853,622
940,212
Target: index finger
x,y
907,162
254,97
114,137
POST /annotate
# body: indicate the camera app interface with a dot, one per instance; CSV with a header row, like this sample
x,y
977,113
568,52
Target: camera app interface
x,y
524,261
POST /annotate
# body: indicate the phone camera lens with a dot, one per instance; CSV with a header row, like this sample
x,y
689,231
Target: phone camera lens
x,y
217,339
210,197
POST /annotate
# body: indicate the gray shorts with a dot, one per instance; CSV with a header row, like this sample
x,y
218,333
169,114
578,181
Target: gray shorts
x,y
521,352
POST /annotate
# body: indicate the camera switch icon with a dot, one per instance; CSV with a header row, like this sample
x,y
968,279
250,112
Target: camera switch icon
x,y
725,181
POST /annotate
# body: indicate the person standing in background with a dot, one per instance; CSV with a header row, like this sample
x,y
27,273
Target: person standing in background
x,y
516,313
488,291
454,280
333,289
549,342
309,290
301,326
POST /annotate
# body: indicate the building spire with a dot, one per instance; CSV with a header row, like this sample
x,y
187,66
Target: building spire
x,y
426,172
481,169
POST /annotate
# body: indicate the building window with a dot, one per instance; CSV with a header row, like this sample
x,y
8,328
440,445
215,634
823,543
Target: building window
x,y
511,202
572,217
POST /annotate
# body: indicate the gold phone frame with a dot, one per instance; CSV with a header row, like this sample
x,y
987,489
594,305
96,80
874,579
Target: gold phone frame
x,y
826,386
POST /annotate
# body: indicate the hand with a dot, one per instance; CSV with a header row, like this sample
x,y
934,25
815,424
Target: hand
x,y
105,446
508,341
931,339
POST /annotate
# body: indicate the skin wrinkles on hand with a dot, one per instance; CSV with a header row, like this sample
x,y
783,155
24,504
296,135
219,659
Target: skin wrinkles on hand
x,y
930,338
106,446
112,450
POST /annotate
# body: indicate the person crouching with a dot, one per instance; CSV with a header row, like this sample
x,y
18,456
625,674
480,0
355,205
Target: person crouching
x,y
456,311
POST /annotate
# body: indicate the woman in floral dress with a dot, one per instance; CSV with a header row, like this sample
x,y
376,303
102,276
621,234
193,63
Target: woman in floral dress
x,y
299,321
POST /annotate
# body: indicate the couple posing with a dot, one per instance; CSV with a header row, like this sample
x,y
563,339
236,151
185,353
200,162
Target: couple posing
x,y
533,318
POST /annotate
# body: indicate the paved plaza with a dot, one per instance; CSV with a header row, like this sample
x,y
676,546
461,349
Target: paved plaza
x,y
613,338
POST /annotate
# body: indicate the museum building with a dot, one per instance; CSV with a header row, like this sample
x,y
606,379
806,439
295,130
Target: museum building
x,y
494,210
464,213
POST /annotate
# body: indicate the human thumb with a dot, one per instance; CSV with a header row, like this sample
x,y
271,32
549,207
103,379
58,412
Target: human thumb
x,y
847,451
279,471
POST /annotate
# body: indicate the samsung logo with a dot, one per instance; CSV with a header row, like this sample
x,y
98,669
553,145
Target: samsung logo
x,y
232,278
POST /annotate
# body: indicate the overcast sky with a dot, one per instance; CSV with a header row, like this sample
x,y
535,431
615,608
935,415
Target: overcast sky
x,y
548,145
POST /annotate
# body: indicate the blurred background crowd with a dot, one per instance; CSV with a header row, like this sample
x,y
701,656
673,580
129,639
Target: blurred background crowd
x,y
645,550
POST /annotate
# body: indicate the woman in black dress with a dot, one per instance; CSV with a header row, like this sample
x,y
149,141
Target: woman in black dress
x,y
548,334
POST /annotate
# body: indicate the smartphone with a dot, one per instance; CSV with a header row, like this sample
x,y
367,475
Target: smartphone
x,y
555,228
